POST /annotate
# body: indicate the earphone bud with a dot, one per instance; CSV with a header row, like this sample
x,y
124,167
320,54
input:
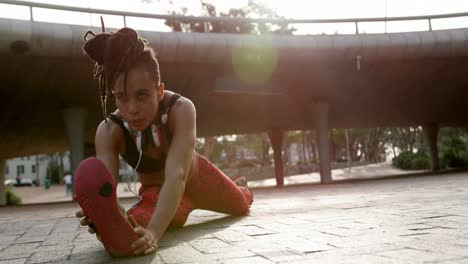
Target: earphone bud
x,y
154,133
138,136
127,126
164,119
138,142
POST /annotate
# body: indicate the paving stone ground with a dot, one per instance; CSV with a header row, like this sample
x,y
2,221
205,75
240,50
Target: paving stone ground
x,y
417,219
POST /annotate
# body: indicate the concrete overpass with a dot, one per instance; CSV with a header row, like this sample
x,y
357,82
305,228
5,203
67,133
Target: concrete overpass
x,y
239,83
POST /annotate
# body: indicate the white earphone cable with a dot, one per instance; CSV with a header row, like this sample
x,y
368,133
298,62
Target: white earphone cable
x,y
140,150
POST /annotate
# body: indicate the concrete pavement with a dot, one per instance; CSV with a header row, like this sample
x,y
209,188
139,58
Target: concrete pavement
x,y
418,219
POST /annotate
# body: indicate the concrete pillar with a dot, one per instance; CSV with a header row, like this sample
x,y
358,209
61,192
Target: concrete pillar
x,y
320,115
276,139
430,132
75,122
2,183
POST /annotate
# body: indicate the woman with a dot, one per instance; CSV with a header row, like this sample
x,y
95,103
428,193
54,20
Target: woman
x,y
154,130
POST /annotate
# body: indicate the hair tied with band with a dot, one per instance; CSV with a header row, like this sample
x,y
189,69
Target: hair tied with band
x,y
94,49
112,53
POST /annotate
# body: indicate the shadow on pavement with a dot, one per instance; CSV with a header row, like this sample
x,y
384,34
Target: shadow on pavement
x,y
178,236
197,230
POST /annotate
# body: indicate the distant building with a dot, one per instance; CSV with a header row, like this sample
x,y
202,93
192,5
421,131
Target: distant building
x,y
30,167
35,167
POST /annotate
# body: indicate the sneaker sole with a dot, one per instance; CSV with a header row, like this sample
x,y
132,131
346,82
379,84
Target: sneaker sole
x,y
96,194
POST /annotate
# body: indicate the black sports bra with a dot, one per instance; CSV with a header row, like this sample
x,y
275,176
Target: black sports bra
x,y
132,155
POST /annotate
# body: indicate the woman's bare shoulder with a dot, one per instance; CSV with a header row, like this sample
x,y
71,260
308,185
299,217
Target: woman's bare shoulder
x,y
183,106
109,134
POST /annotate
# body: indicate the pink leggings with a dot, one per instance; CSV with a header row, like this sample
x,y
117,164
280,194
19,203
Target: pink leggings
x,y
208,189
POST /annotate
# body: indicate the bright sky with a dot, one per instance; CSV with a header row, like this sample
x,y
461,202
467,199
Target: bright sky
x,y
298,9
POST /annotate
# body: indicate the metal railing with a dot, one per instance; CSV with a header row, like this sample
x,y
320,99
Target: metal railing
x,y
205,19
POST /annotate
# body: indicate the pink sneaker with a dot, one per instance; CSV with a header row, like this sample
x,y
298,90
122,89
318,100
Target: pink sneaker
x,y
96,193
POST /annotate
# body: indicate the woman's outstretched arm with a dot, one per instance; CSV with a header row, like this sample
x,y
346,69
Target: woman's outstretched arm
x,y
178,162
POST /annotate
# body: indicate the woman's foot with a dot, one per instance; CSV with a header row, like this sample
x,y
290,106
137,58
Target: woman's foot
x,y
96,193
240,181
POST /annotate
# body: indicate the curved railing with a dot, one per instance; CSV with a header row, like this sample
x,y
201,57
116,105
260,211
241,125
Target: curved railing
x,y
205,19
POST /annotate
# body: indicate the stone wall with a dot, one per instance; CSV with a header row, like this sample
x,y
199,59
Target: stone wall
x,y
264,172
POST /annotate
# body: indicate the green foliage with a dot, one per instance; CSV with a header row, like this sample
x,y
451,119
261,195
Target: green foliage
x,y
420,161
242,164
11,197
453,148
252,9
251,141
369,144
306,162
364,144
405,138
250,163
453,160
408,160
54,173
453,151
199,146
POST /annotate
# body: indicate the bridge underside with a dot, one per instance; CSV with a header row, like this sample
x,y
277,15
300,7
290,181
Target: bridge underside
x,y
387,90
382,93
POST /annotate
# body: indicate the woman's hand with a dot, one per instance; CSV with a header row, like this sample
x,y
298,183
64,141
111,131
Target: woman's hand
x,y
146,243
85,221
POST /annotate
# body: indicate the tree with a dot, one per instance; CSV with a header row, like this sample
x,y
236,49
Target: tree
x,y
265,148
374,147
364,144
209,147
55,167
453,147
406,138
259,143
251,9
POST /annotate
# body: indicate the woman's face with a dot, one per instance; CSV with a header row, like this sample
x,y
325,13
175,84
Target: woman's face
x,y
139,103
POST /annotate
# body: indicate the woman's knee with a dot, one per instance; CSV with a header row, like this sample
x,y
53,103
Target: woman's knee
x,y
141,216
179,220
182,213
240,209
